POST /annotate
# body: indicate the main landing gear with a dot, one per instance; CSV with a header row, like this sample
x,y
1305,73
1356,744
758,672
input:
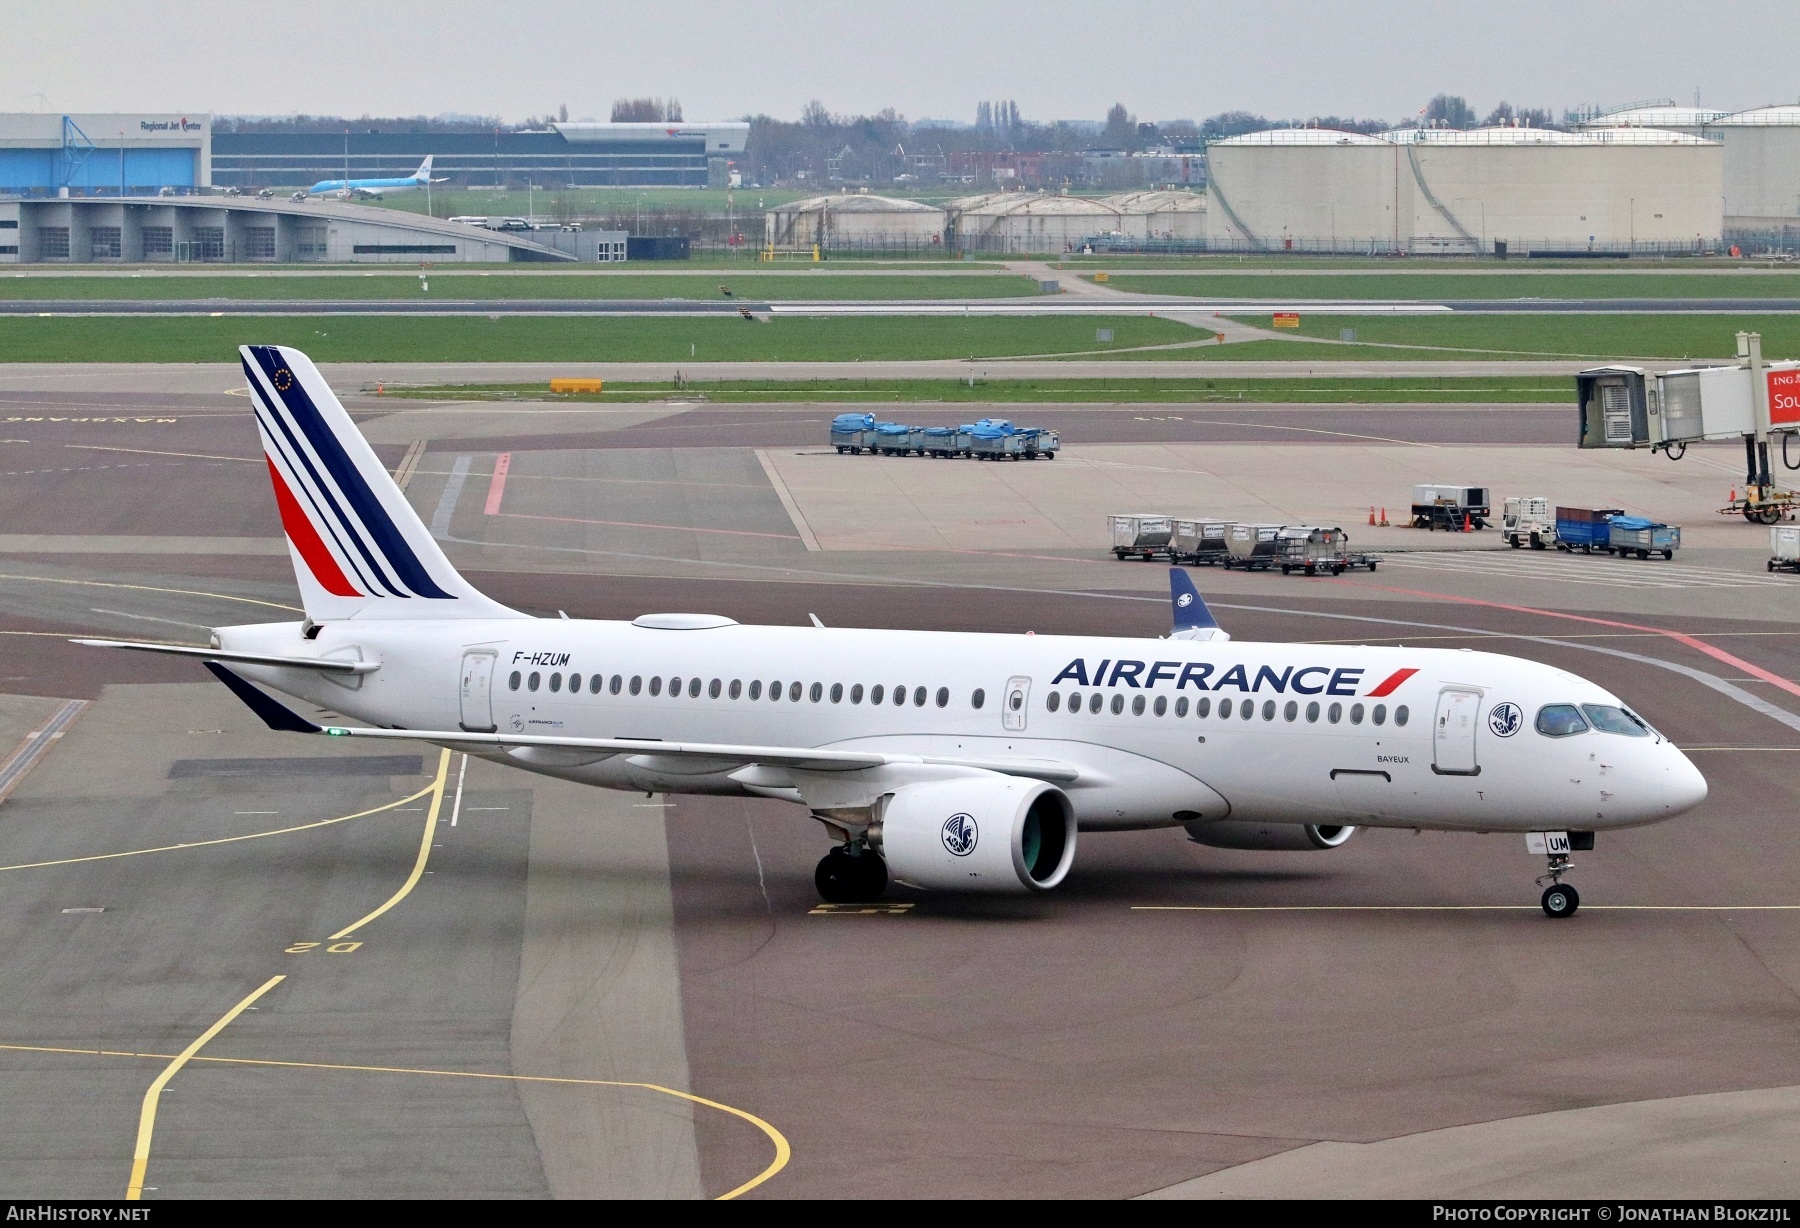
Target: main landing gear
x,y
851,874
1558,900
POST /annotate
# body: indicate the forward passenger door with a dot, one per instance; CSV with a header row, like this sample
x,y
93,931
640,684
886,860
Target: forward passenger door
x,y
1453,736
1015,704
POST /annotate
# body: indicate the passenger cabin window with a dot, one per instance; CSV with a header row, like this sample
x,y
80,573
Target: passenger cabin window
x,y
555,683
1379,715
943,697
1094,702
1560,721
694,688
1162,704
1608,719
918,697
512,683
816,692
1335,713
856,693
1181,706
637,683
713,688
531,683
837,692
1224,709
1356,714
793,692
774,692
1202,708
656,685
1053,701
596,682
1400,715
876,693
616,683
977,699
756,688
899,697
1118,704
737,688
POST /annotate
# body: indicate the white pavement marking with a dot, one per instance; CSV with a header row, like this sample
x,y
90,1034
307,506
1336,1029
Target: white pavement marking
x,y
453,487
456,806
1596,569
33,748
787,501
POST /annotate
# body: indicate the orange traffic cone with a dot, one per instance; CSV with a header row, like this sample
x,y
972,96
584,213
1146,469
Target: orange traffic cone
x,y
377,387
1733,497
1384,519
1467,527
1371,513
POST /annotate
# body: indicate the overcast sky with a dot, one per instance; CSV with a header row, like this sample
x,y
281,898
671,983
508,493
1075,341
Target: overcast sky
x,y
1060,59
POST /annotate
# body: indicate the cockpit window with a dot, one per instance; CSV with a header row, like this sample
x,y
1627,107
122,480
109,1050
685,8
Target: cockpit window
x,y
1609,719
1560,720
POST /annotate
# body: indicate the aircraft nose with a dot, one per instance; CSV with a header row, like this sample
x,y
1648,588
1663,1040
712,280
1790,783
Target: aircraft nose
x,y
1683,785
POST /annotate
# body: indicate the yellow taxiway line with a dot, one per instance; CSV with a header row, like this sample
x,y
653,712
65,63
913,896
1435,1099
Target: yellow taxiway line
x,y
783,1151
255,835
436,789
140,1156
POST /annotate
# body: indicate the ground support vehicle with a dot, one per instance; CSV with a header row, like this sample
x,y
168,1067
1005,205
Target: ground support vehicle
x,y
1527,520
1629,535
1763,505
941,441
1450,507
1201,542
1585,528
1040,442
852,432
1784,548
1254,547
1141,534
991,443
1312,550
892,439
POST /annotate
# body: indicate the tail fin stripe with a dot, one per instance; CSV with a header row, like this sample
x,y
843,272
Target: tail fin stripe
x,y
306,540
373,518
298,468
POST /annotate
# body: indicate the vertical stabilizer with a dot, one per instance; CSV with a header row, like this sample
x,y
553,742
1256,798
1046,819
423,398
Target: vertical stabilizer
x,y
1193,621
359,549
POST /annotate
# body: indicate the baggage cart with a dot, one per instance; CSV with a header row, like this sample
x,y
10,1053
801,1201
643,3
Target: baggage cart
x,y
1200,542
1254,547
1526,520
852,432
1141,534
892,439
1049,443
1437,506
1314,549
1784,548
1584,528
990,443
1629,535
940,441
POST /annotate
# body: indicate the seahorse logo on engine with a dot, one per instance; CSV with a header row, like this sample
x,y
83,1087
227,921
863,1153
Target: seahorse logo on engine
x,y
960,834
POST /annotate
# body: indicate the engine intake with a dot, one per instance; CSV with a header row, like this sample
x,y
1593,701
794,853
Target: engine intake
x,y
990,834
1233,834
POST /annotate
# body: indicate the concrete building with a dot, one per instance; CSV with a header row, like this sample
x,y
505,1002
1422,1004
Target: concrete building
x,y
1761,160
560,155
213,229
1445,191
851,221
104,154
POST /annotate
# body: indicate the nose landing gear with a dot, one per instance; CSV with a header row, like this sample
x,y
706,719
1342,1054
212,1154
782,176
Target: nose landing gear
x,y
851,874
1558,900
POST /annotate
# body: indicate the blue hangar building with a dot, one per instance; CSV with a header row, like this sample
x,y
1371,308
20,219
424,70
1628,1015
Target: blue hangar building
x,y
104,154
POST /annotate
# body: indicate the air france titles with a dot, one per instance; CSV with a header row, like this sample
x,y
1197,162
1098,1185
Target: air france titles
x,y
1145,675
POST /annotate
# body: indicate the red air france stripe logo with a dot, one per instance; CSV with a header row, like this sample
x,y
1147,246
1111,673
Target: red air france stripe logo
x,y
1391,683
306,540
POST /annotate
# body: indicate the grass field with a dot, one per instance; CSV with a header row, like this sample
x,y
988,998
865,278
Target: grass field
x,y
1574,335
589,339
1438,286
755,286
1421,388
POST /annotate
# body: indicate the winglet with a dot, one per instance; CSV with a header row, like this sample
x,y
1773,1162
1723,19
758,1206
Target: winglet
x,y
274,715
1193,621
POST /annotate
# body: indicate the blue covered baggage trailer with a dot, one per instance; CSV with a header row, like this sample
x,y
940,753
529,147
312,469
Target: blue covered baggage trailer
x,y
1629,535
1584,528
852,432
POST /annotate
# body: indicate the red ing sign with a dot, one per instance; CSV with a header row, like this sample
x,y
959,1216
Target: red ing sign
x,y
1784,397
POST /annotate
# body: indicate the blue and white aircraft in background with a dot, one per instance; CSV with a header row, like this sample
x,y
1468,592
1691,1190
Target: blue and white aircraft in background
x,y
950,761
347,188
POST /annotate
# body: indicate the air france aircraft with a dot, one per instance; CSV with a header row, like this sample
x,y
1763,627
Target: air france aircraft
x,y
374,187
949,762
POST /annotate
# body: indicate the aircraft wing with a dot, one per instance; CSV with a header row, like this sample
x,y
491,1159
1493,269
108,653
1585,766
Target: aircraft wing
x,y
317,664
279,717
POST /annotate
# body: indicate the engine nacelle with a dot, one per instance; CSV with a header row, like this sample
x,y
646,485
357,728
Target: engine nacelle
x,y
988,834
1233,834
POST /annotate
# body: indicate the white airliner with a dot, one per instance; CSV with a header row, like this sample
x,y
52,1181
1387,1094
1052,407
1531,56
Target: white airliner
x,y
952,762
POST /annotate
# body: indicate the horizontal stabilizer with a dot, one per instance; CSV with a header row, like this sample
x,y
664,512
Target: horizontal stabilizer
x,y
276,716
317,664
